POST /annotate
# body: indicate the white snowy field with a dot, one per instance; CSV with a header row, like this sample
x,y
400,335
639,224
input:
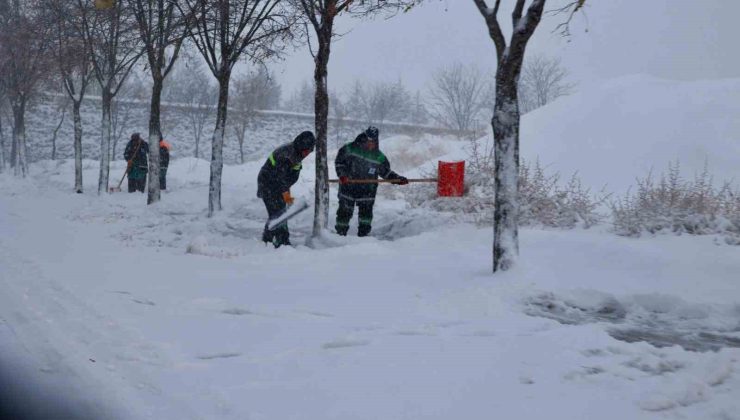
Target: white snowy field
x,y
125,311
111,309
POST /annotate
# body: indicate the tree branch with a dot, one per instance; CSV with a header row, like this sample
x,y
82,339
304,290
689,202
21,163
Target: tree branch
x,y
494,29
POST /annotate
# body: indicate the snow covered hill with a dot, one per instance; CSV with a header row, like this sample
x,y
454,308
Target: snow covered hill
x,y
619,130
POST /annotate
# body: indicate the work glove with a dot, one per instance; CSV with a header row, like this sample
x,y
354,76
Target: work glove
x,y
288,198
402,180
344,180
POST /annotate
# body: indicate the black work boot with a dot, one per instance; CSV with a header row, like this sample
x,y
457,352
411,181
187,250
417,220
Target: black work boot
x,y
281,237
267,235
363,230
341,230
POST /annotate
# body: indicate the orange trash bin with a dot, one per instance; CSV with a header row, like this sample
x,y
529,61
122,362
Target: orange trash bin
x,y
451,179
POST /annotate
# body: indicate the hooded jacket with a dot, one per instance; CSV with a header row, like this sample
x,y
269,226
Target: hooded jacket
x,y
283,166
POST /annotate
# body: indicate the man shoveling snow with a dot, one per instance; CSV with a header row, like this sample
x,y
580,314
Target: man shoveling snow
x,y
278,174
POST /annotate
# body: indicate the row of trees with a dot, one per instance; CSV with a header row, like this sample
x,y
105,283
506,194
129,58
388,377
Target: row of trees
x,y
457,98
103,40
82,41
85,39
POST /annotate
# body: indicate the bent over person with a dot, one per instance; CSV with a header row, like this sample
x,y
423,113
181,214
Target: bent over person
x,y
137,155
361,160
279,172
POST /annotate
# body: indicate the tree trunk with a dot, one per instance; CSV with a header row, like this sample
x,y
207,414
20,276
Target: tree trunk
x,y
105,142
321,109
2,147
155,133
13,146
114,128
505,124
20,165
54,135
241,147
197,133
217,144
77,144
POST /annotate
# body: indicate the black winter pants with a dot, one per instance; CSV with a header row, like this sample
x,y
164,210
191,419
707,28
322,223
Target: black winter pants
x,y
162,178
275,206
365,216
136,185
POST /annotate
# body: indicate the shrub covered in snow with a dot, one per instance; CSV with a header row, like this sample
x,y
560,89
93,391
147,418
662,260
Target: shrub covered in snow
x,y
543,199
547,201
676,205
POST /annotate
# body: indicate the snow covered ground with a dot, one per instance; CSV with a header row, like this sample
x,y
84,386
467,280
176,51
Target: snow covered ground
x,y
114,309
158,312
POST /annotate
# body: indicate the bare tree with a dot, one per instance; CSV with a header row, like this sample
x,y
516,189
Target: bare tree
x,y
418,113
252,92
2,147
224,30
542,81
321,15
113,44
24,42
75,70
192,87
301,99
120,117
338,110
456,97
63,108
505,119
163,26
381,101
3,157
122,107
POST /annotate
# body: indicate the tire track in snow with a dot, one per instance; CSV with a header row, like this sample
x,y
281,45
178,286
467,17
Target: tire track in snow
x,y
76,347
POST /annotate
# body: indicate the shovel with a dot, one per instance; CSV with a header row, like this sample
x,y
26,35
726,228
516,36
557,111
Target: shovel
x,y
382,181
118,188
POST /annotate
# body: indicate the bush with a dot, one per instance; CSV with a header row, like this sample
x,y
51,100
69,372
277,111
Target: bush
x,y
679,206
543,199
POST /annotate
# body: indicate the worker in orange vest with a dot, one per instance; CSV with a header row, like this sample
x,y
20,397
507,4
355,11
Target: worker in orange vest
x,y
164,162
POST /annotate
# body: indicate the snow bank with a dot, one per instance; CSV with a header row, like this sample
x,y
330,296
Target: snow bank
x,y
630,125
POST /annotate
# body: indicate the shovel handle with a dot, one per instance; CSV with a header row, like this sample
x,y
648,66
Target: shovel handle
x,y
382,181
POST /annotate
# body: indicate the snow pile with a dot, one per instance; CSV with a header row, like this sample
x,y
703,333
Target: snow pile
x,y
626,127
581,154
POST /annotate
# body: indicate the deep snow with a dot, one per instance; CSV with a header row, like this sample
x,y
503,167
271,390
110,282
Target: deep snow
x,y
158,312
114,309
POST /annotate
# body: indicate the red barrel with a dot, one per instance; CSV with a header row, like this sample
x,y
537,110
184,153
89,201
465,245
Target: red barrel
x,y
451,179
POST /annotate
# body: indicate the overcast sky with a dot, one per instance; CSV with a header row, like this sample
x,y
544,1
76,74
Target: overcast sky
x,y
682,39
